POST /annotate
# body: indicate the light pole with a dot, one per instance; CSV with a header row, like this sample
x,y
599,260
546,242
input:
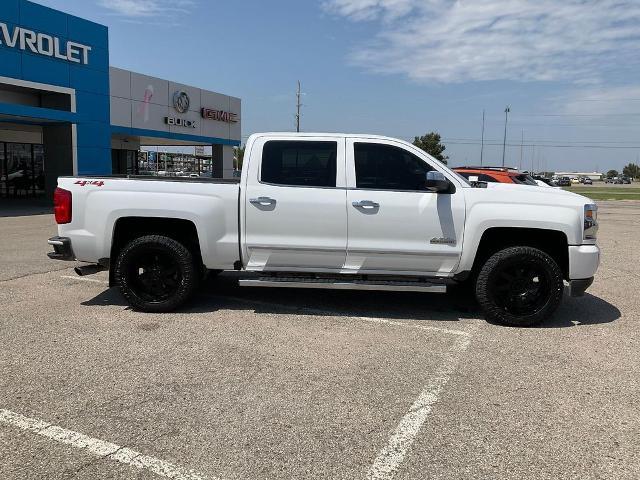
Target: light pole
x,y
504,143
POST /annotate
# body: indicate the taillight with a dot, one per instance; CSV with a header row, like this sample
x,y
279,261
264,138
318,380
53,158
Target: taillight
x,y
62,205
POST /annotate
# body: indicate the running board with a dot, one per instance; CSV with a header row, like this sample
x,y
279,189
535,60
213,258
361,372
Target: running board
x,y
340,284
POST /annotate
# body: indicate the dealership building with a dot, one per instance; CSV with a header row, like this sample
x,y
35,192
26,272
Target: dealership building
x,y
65,111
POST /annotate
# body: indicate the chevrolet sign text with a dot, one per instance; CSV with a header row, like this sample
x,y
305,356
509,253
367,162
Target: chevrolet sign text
x,y
43,44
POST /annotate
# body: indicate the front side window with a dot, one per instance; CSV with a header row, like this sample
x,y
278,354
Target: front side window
x,y
300,163
385,167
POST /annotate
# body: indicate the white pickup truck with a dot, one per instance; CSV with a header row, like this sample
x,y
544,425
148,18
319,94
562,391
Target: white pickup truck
x,y
332,211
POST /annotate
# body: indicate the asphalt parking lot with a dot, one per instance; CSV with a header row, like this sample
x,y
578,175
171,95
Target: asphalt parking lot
x,y
277,383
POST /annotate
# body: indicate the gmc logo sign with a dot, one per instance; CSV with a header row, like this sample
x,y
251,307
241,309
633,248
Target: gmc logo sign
x,y
219,115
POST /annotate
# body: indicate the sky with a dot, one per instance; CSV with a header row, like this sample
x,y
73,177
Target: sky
x,y
569,70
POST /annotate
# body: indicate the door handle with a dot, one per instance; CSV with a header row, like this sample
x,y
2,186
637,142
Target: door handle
x,y
262,201
366,204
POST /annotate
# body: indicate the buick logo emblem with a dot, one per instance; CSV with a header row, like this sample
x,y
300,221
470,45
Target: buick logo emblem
x,y
181,101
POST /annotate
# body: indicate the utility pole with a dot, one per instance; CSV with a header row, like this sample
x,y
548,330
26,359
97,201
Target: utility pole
x,y
521,146
482,145
533,155
504,143
298,105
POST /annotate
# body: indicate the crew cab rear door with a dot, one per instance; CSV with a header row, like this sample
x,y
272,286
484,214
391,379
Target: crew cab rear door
x,y
396,225
294,206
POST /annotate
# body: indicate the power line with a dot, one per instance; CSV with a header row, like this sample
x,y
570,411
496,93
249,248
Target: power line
x,y
632,147
543,141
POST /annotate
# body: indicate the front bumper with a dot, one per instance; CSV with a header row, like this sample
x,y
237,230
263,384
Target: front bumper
x,y
61,248
583,261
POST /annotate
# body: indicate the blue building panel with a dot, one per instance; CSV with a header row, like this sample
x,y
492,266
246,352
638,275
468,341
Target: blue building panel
x,y
43,19
45,70
10,63
89,33
93,107
88,80
93,134
98,59
94,161
10,11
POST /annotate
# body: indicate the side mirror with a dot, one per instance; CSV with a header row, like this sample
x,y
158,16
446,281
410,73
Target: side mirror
x,y
437,182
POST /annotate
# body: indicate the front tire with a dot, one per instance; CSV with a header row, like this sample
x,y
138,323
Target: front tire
x,y
519,286
156,273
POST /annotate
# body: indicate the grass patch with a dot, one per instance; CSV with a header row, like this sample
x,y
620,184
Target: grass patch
x,y
603,193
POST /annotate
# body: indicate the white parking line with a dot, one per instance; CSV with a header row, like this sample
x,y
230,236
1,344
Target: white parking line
x,y
392,455
450,331
99,447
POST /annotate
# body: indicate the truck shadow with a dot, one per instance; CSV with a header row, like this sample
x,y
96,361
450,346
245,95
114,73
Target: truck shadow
x,y
223,293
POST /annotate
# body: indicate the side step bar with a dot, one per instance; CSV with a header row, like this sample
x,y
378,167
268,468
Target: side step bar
x,y
342,284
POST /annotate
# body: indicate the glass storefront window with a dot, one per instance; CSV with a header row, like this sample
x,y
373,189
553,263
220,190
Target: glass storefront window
x,y
21,169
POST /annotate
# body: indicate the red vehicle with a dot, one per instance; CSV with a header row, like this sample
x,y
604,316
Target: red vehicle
x,y
496,175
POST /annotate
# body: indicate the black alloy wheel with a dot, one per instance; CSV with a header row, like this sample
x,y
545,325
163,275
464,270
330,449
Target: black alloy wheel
x,y
519,286
156,273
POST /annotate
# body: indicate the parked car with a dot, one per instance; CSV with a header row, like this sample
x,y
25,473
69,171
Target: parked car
x,y
332,211
587,181
626,180
564,182
546,181
495,175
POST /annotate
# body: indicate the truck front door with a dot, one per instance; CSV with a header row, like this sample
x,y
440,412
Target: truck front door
x,y
396,225
294,206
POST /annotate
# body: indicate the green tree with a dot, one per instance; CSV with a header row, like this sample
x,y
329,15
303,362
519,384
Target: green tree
x,y
431,144
612,173
632,170
238,157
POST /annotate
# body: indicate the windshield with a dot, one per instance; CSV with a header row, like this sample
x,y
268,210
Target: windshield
x,y
524,179
463,178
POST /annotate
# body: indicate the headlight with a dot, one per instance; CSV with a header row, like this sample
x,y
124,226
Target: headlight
x,y
590,221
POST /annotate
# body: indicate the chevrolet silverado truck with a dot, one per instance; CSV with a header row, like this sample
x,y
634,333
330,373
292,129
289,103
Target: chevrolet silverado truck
x,y
332,211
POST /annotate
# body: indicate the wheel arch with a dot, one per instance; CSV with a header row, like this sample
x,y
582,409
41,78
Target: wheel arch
x,y
552,242
126,229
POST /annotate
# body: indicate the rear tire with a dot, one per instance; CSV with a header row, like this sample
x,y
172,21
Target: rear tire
x,y
519,286
156,273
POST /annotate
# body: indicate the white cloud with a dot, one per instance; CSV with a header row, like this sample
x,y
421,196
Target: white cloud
x,y
147,8
443,41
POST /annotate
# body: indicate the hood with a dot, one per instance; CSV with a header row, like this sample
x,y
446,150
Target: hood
x,y
544,195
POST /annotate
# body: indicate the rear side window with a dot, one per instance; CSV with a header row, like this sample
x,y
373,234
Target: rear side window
x,y
300,163
488,178
481,177
385,167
